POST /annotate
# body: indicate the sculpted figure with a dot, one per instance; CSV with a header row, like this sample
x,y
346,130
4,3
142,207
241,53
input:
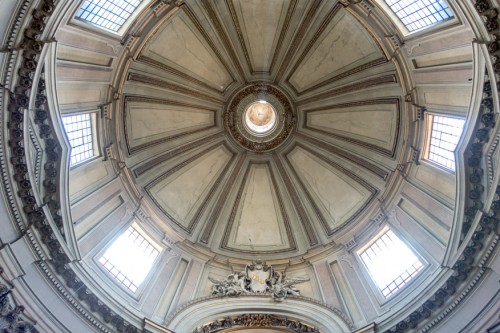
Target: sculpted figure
x,y
281,286
233,285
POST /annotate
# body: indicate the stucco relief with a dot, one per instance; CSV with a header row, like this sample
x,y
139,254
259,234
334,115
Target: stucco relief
x,y
257,277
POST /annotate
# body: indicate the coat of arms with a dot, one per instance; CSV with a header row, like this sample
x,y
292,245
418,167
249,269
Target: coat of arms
x,y
257,278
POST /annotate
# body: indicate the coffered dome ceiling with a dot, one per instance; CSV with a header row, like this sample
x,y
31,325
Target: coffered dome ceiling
x,y
293,132
262,127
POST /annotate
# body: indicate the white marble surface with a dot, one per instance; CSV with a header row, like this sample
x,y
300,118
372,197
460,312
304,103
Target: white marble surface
x,y
374,124
181,193
260,21
178,45
147,122
259,221
341,47
336,194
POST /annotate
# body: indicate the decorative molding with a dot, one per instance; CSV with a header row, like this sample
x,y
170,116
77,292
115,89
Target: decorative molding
x,y
236,206
153,81
386,152
196,218
284,29
297,40
134,98
381,173
286,118
161,66
208,39
216,210
143,168
306,300
221,32
12,318
385,79
257,277
321,218
256,320
297,202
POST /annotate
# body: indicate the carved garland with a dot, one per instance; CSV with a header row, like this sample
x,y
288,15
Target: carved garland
x,y
255,320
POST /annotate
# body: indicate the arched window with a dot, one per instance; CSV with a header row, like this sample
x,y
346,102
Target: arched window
x,y
130,258
420,14
107,14
442,136
80,129
390,262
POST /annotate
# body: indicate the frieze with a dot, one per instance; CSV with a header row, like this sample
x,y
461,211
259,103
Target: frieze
x,y
257,277
256,320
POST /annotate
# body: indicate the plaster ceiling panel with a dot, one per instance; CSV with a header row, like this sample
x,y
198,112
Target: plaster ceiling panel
x,y
181,46
258,222
259,23
150,120
343,47
183,191
373,123
337,195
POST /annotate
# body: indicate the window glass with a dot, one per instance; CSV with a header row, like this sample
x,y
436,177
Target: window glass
x,y
390,262
108,14
129,259
419,14
444,136
79,130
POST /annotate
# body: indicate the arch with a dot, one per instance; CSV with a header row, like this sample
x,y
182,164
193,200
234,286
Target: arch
x,y
297,309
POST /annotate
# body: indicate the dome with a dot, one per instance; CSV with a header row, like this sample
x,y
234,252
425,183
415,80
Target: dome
x,y
249,166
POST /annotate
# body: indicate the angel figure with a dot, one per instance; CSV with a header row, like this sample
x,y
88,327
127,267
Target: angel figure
x,y
282,286
233,285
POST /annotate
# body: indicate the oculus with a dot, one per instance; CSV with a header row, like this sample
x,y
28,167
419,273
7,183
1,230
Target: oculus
x,y
259,117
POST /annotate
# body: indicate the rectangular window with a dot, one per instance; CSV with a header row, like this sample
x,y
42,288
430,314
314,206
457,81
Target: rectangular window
x,y
390,262
107,14
443,138
130,258
80,131
420,14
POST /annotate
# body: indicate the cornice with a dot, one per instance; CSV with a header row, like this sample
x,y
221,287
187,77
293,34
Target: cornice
x,y
479,228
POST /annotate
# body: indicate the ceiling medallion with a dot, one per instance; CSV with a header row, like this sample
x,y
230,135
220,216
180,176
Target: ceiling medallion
x,y
259,117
